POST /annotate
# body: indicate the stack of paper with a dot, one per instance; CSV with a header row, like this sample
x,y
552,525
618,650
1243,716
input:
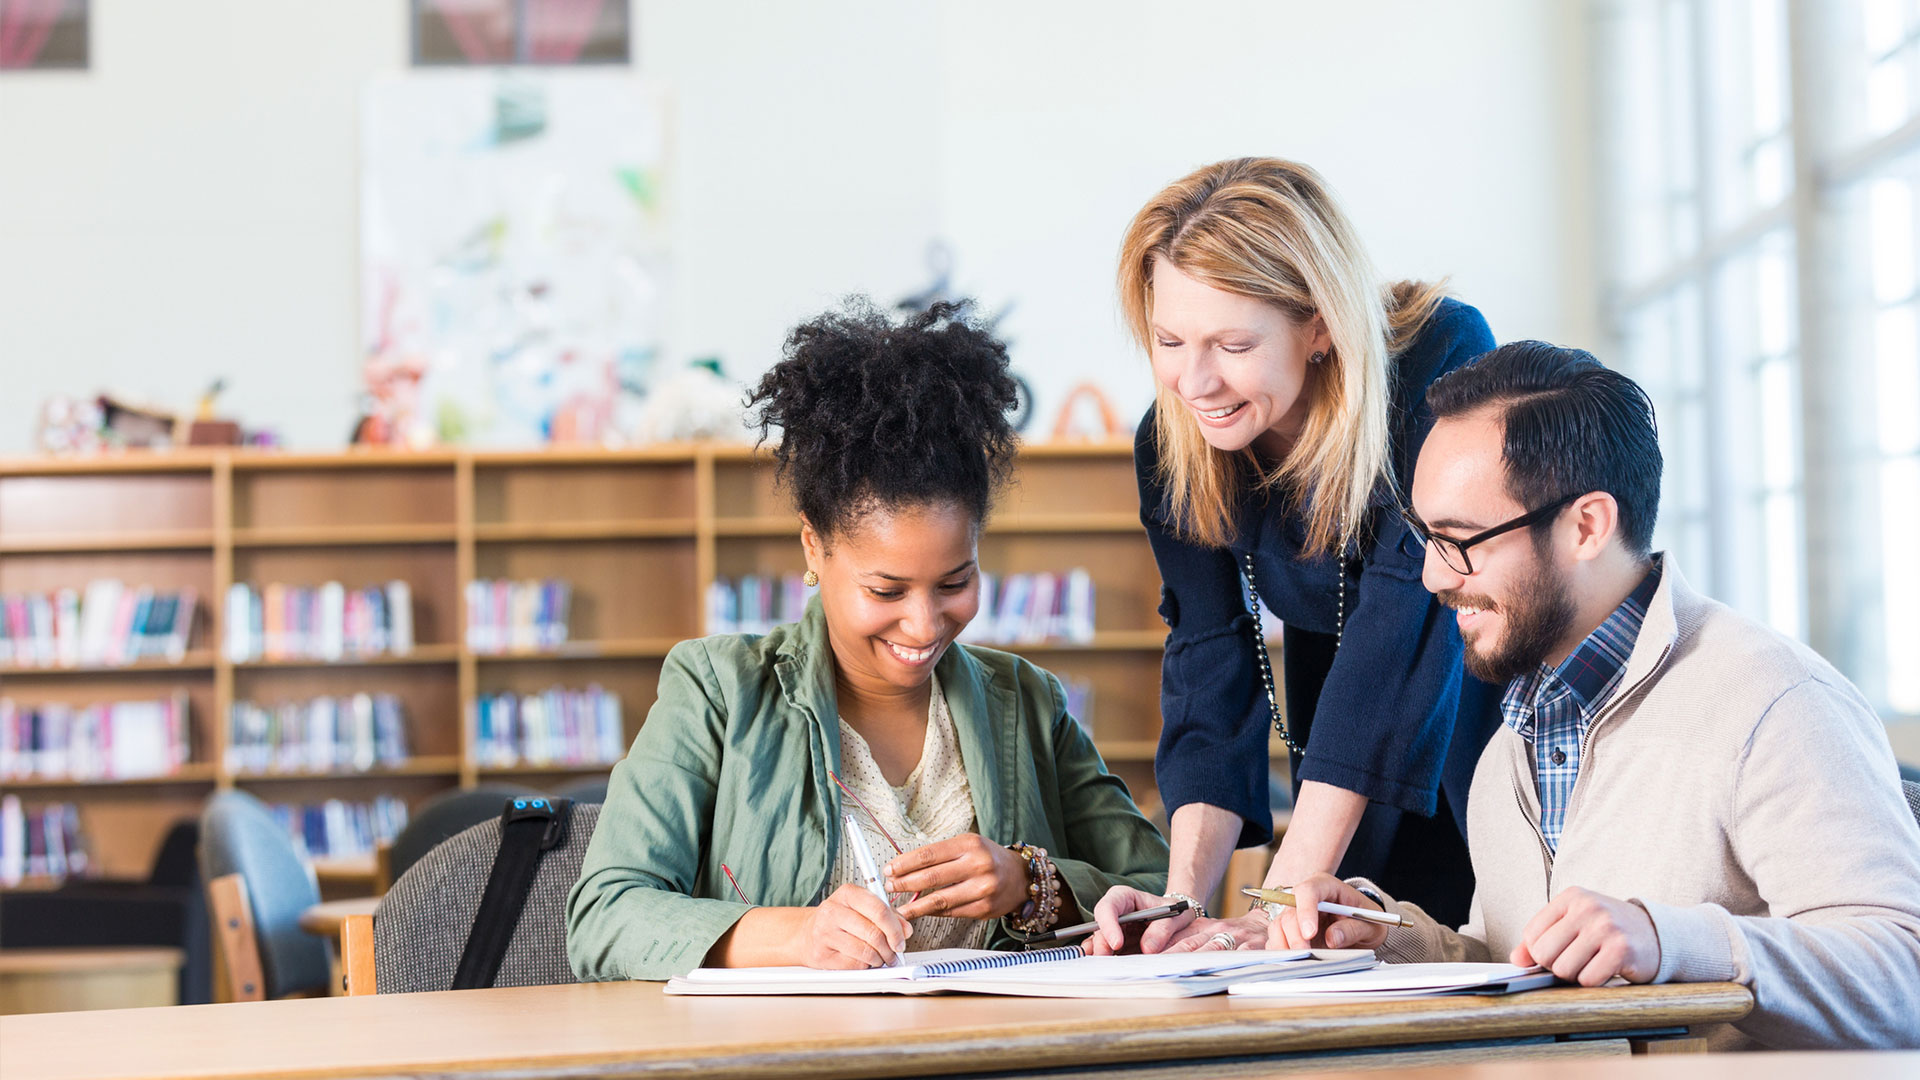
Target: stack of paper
x,y
1061,972
1390,982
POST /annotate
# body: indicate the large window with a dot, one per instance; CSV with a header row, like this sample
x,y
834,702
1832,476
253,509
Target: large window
x,y
1761,169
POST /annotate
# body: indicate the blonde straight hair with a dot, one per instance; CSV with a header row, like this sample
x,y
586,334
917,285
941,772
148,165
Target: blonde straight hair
x,y
1271,230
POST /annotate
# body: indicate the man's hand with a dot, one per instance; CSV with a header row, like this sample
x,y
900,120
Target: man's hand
x,y
1307,927
1588,938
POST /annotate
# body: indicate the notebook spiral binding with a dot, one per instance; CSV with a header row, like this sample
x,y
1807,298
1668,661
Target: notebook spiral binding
x,y
1012,959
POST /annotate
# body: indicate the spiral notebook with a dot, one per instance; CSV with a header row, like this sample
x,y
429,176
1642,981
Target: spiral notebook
x,y
1062,972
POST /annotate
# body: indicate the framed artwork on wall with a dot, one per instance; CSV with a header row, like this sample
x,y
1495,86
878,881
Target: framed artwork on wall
x,y
41,35
468,33
513,255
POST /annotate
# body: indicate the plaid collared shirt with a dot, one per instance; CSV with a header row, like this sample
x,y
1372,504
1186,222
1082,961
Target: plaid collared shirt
x,y
1553,707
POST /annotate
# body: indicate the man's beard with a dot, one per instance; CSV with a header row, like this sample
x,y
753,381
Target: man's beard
x,y
1537,615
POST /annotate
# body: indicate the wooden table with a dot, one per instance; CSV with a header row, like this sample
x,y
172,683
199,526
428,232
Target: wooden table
x,y
324,919
632,1029
1852,1064
106,977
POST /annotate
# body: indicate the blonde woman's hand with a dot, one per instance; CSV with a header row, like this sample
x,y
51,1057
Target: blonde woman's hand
x,y
851,929
1245,931
1307,927
1125,900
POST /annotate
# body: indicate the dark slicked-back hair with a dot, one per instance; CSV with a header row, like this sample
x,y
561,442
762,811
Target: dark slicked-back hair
x,y
1572,426
877,414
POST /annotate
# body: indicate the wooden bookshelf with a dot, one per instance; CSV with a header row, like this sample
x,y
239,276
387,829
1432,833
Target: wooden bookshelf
x,y
640,534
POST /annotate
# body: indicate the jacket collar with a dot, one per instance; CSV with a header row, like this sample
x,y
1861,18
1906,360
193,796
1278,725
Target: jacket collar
x,y
1660,630
983,714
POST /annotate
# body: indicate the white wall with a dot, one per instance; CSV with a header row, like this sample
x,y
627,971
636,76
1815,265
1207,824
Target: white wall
x,y
187,208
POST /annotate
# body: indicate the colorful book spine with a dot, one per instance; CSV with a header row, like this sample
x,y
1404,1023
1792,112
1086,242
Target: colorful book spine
x,y
44,842
557,726
325,622
517,616
338,828
115,741
103,624
1035,608
755,603
321,735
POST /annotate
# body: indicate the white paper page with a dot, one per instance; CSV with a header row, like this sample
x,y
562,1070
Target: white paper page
x,y
1390,978
1121,968
911,966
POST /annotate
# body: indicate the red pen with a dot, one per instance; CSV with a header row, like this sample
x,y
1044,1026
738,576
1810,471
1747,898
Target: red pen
x,y
736,885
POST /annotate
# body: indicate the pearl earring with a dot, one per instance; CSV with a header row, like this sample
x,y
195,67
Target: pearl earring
x,y
810,579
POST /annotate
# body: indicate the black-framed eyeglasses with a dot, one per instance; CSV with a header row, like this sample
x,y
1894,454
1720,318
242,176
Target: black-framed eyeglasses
x,y
1454,552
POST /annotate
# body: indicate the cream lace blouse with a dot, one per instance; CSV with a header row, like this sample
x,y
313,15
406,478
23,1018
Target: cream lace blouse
x,y
934,804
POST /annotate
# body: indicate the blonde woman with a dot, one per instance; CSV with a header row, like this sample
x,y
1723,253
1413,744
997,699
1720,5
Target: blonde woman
x,y
1288,412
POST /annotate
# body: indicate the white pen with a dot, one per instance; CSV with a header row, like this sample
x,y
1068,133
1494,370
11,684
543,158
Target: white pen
x,y
1282,896
869,870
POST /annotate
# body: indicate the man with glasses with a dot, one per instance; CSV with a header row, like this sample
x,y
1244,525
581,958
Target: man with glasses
x,y
1679,793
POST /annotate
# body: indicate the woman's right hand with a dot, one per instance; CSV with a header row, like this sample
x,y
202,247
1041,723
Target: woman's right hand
x,y
852,929
1305,926
1125,900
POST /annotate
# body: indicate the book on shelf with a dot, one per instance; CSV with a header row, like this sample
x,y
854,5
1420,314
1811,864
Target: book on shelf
x,y
1032,609
754,603
44,842
554,727
324,734
517,616
337,827
105,624
278,621
1079,700
108,741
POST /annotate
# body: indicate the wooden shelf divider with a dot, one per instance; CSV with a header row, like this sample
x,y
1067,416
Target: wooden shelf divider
x,y
141,540
195,661
343,536
421,654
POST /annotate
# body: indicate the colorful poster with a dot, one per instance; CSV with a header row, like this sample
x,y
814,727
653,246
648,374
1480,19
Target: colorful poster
x,y
513,255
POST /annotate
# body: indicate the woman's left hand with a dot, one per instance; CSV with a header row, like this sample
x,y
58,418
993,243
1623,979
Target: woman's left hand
x,y
1247,931
968,877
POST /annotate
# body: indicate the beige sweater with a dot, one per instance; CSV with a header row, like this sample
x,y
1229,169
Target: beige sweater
x,y
1740,790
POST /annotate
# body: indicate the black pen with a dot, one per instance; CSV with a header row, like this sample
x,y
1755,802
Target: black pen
x,y
1143,916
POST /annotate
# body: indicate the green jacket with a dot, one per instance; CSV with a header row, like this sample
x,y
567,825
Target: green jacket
x,y
731,767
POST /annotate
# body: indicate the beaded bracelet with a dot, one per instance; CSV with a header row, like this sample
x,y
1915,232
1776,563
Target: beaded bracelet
x,y
1042,908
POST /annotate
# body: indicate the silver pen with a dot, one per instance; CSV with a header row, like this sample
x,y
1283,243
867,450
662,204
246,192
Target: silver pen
x,y
869,870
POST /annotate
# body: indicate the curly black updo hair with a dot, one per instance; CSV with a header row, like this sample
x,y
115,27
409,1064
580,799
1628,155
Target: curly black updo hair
x,y
875,413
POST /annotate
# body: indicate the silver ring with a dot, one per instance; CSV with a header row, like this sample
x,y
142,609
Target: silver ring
x,y
1222,939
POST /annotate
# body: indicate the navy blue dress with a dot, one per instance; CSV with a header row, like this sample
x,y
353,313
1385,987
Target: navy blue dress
x,y
1392,714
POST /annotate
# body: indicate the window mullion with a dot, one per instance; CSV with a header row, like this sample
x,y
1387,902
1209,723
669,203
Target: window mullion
x,y
1843,590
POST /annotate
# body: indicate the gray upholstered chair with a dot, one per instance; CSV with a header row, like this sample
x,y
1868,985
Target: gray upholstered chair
x,y
440,817
257,887
1913,797
421,925
592,789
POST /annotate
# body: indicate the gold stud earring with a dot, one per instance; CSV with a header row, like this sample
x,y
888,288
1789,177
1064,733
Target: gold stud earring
x,y
810,579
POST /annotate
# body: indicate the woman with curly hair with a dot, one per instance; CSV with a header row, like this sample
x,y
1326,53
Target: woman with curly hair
x,y
894,440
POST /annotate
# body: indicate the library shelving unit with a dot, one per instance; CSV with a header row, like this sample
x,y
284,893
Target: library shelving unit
x,y
639,534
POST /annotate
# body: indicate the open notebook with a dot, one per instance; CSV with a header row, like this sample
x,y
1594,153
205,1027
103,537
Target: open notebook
x,y
1062,972
1391,982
